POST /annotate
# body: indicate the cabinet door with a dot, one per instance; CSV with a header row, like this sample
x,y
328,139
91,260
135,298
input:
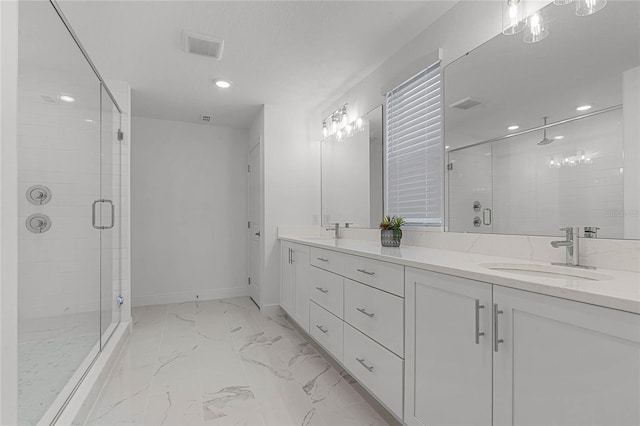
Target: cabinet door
x,y
564,362
302,280
286,279
448,368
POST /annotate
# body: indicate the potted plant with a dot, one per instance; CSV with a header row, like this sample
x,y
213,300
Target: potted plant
x,y
390,231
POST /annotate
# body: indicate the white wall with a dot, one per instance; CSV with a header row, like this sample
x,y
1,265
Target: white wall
x,y
8,212
188,211
291,183
464,27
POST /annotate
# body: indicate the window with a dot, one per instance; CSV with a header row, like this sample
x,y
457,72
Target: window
x,y
414,149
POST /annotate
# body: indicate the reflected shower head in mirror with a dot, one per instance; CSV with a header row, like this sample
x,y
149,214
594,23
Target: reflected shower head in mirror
x,y
545,140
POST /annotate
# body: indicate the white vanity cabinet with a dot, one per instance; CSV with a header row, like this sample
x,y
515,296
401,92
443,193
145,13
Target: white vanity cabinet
x,y
564,363
294,282
483,354
448,350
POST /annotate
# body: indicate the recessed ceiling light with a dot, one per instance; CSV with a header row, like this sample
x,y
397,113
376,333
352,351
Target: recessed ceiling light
x,y
223,84
66,98
559,137
514,127
447,147
583,108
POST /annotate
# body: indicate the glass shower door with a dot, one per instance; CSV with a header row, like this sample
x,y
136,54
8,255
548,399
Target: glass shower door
x,y
59,177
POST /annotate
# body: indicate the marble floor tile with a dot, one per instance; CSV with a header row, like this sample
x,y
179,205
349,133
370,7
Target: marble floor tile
x,y
221,362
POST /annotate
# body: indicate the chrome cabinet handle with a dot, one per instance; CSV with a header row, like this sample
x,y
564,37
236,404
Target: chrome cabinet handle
x,y
478,332
361,361
321,328
364,311
324,290
496,340
93,214
364,271
321,259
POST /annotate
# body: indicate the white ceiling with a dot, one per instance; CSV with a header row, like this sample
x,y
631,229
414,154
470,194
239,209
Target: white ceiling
x,y
297,53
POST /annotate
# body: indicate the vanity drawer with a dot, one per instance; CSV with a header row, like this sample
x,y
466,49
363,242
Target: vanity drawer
x,y
383,275
327,290
327,329
327,259
378,369
375,313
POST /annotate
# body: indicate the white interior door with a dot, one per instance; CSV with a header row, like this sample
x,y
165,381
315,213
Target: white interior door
x,y
255,225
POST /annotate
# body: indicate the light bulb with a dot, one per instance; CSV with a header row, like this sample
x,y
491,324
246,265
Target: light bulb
x,y
512,17
536,31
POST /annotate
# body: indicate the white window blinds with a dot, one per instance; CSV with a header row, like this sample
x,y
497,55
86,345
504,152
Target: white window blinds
x,y
414,149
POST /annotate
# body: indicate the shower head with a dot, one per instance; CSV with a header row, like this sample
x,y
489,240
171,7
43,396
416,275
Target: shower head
x,y
545,140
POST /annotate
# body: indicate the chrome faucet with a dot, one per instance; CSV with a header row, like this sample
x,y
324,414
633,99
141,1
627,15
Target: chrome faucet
x,y
572,244
335,228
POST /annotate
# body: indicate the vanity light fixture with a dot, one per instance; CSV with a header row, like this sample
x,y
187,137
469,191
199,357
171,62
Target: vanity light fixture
x,y
512,17
514,127
66,98
344,117
589,7
536,29
223,84
583,108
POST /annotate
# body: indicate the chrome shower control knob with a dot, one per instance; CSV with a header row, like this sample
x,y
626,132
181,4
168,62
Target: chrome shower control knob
x,y
39,195
38,223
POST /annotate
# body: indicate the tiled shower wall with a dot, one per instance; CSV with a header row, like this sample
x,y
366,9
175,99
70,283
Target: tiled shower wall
x,y
53,151
529,195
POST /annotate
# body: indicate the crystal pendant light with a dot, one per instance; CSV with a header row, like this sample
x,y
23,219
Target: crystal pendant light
x,y
536,29
512,17
589,7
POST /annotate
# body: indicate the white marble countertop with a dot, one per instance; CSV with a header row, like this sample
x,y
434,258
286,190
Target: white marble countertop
x,y
620,291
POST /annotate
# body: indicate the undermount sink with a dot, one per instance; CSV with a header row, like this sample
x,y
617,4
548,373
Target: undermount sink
x,y
547,271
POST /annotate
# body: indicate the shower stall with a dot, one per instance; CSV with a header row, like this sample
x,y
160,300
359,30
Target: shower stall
x,y
70,213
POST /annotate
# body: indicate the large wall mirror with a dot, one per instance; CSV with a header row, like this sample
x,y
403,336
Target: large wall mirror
x,y
352,174
545,135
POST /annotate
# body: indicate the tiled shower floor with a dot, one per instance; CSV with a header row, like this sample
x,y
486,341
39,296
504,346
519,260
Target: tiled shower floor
x,y
50,350
223,363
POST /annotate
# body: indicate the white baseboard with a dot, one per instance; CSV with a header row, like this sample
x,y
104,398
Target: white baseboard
x,y
189,296
271,310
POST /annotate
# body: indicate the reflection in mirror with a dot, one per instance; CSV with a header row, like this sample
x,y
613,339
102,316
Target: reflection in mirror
x,y
586,173
352,174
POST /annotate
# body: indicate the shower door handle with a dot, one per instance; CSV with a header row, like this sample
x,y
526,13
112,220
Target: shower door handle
x,y
93,214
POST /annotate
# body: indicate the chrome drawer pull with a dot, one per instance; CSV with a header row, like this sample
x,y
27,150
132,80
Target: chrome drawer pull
x,y
321,328
361,361
364,311
324,290
364,271
478,332
321,259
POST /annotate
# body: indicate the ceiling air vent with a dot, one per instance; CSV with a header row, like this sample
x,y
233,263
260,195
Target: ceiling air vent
x,y
466,103
206,118
202,44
